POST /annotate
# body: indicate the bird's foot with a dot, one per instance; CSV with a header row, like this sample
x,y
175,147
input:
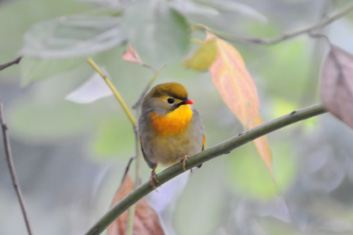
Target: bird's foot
x,y
154,178
183,162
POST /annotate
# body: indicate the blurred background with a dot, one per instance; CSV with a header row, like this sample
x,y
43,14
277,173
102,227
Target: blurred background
x,y
70,157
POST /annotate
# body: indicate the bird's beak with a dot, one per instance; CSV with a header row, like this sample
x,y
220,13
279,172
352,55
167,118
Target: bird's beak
x,y
189,102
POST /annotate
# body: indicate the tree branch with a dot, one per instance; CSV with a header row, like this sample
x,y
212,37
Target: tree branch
x,y
15,61
12,170
148,86
286,36
220,149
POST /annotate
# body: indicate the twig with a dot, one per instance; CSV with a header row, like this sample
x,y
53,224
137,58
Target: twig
x,y
130,221
206,155
127,168
285,36
12,170
114,90
149,84
15,61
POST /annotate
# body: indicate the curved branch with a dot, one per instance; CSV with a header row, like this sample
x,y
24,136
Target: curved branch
x,y
325,21
220,149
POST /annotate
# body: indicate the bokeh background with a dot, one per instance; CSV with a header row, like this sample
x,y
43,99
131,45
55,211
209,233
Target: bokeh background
x,y
70,157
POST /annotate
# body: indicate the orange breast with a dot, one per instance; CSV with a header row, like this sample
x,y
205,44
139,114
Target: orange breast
x,y
173,123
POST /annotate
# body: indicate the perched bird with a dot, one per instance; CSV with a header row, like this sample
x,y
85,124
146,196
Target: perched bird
x,y
170,129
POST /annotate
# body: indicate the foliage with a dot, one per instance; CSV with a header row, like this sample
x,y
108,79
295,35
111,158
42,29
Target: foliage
x,y
58,36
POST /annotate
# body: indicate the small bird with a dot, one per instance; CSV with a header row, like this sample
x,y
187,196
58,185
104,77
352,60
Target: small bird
x,y
170,129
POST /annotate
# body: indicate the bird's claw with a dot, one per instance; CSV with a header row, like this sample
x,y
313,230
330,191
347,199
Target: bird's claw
x,y
183,162
153,179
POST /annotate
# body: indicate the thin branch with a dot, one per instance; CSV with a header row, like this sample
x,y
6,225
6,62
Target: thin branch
x,y
144,92
138,180
12,170
206,155
286,36
114,90
15,61
127,168
130,221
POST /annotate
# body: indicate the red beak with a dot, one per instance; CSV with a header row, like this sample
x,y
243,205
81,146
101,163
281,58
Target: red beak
x,y
189,102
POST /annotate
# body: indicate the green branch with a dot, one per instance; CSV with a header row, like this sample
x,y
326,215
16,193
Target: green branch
x,y
220,149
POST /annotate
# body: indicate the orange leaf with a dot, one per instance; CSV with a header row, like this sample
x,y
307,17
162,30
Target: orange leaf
x,y
130,55
337,85
238,91
262,145
233,81
146,220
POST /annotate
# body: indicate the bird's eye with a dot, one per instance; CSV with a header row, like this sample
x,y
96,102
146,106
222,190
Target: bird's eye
x,y
170,100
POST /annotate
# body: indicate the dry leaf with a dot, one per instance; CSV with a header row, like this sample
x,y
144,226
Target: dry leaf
x,y
130,55
203,58
146,220
233,81
337,85
262,145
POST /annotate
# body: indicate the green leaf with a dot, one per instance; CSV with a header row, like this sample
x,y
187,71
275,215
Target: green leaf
x,y
192,8
37,69
16,17
159,34
203,57
72,36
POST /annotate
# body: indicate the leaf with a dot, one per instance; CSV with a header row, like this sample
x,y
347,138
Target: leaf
x,y
337,85
16,17
93,89
234,83
33,69
192,8
130,55
262,145
161,35
146,220
72,36
237,7
203,58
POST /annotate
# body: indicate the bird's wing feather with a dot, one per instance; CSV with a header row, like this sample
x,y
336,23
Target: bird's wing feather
x,y
149,162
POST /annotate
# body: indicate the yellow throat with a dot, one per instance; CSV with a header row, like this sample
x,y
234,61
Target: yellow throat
x,y
173,123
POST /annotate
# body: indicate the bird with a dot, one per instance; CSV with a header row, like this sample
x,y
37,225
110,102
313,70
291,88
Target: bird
x,y
170,129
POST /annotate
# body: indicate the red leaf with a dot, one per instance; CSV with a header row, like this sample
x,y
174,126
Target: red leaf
x,y
130,55
337,85
146,220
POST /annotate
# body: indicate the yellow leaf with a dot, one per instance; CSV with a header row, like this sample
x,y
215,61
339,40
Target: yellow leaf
x,y
262,145
203,57
233,81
